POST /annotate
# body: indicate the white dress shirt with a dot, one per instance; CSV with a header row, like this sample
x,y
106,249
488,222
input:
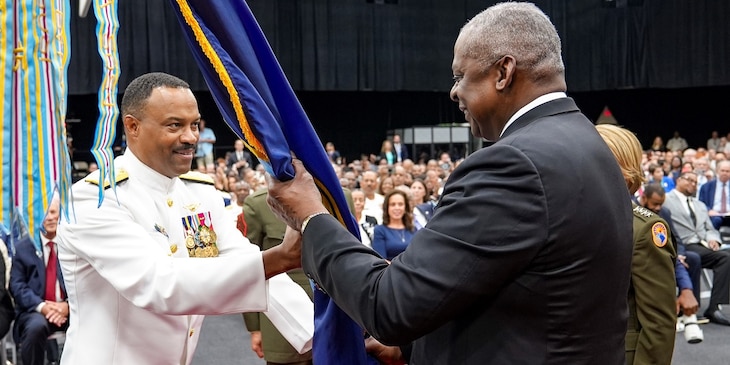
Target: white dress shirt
x,y
532,105
46,255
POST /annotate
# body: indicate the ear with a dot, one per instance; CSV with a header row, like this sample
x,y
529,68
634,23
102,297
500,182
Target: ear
x,y
131,125
506,67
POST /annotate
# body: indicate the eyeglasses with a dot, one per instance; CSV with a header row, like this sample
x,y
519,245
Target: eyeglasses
x,y
691,181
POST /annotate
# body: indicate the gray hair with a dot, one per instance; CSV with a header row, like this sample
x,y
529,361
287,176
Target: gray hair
x,y
521,30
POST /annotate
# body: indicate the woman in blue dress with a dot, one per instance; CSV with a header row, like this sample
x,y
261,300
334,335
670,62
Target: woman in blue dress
x,y
394,235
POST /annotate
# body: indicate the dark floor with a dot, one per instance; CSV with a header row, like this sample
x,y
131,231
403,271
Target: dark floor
x,y
715,349
224,341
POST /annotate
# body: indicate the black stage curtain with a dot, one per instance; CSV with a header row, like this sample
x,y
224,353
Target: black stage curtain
x,y
406,45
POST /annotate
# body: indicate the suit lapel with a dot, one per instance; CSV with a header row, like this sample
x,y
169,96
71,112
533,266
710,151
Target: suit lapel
x,y
41,264
681,207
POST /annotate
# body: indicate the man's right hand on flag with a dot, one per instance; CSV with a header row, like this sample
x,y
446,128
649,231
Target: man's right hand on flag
x,y
295,200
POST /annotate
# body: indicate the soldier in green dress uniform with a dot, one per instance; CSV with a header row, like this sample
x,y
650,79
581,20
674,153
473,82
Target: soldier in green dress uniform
x,y
264,229
652,293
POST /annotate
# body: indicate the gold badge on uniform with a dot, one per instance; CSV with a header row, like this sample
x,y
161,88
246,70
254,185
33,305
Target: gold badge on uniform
x,y
200,238
659,234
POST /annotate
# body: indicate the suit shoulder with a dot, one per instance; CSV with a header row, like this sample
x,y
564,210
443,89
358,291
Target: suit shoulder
x,y
120,175
707,186
256,199
197,177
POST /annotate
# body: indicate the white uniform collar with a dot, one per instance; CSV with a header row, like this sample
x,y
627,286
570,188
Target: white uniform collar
x,y
139,171
532,105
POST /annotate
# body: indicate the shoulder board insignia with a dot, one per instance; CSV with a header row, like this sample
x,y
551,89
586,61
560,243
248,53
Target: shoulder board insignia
x,y
198,177
120,175
643,211
659,234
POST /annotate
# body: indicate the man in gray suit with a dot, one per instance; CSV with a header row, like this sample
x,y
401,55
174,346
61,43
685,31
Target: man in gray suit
x,y
516,266
694,227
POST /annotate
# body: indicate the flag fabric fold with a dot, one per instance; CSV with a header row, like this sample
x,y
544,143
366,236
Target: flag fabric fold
x,y
259,105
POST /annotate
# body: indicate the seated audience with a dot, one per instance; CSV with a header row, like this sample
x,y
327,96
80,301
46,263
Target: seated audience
x,y
393,236
386,186
367,223
657,144
657,176
40,294
422,215
675,167
239,158
332,153
373,200
693,226
716,196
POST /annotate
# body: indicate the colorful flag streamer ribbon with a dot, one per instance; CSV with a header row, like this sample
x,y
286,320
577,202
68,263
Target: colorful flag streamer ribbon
x,y
107,25
34,53
259,105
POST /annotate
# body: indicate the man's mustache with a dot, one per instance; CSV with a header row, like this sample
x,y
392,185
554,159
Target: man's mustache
x,y
186,147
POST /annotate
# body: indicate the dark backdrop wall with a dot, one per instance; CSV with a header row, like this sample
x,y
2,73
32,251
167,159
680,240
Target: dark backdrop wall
x,y
361,68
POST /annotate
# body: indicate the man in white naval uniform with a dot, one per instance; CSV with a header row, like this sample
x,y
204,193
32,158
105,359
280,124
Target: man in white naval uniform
x,y
143,268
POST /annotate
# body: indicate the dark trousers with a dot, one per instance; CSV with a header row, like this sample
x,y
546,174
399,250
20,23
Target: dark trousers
x,y
694,270
716,221
719,262
32,331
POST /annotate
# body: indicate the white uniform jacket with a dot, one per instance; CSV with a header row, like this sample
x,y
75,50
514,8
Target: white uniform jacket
x,y
131,285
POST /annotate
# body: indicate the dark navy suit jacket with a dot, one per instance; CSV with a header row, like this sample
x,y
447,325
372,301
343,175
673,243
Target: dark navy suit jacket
x,y
707,193
28,277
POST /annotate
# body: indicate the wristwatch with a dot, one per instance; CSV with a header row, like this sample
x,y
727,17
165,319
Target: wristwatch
x,y
306,220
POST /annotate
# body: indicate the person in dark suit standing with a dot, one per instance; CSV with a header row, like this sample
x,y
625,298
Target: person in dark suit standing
x,y
512,268
401,152
40,294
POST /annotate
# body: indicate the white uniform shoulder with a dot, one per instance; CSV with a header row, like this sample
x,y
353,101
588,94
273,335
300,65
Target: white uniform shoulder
x,y
120,175
197,177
